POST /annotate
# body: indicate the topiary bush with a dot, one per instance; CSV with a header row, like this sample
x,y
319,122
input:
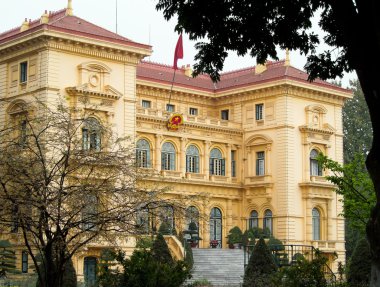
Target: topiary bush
x,y
164,229
260,268
235,235
160,250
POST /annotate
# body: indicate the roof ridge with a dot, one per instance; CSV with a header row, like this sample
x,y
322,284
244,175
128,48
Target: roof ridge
x,y
159,64
237,71
104,29
34,21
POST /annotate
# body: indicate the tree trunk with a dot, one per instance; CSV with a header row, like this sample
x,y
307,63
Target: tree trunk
x,y
369,80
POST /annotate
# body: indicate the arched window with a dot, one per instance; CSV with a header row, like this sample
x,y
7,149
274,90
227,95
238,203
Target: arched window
x,y
168,156
217,162
91,134
90,213
316,224
192,215
216,226
143,221
315,168
268,220
192,159
143,153
253,219
167,217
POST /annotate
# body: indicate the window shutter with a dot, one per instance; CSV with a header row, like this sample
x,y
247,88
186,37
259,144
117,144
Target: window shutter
x,y
148,158
188,163
211,166
196,164
172,160
85,139
223,163
163,161
97,142
257,167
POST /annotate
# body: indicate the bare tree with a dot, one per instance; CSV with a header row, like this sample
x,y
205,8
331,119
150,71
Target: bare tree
x,y
66,180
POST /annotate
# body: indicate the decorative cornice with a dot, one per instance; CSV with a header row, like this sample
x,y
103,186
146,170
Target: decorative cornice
x,y
109,93
207,127
307,129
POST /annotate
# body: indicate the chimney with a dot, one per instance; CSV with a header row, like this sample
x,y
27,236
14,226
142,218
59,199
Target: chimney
x,y
287,58
24,25
188,71
260,68
45,18
69,9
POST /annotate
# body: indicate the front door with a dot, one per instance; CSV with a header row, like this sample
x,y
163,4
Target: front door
x,y
216,226
90,271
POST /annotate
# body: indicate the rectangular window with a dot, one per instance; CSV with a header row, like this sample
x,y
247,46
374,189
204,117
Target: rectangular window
x,y
259,111
233,163
217,166
146,104
170,108
23,72
24,262
193,111
142,158
225,115
260,163
90,213
192,164
167,161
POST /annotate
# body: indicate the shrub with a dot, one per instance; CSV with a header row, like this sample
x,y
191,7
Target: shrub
x,y
189,260
235,235
7,259
160,250
359,270
164,229
303,273
260,267
144,242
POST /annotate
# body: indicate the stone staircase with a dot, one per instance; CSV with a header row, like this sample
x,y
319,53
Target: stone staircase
x,y
221,267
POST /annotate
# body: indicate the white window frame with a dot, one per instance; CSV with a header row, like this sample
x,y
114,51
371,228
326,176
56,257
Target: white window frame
x,y
146,104
260,163
259,109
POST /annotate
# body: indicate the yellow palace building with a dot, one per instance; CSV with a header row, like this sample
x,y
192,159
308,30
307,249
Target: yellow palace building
x,y
246,146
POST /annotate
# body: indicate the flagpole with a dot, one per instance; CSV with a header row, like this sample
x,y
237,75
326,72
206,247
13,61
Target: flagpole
x,y
171,89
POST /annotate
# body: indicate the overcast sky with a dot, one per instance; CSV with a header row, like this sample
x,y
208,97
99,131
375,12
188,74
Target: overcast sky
x,y
137,20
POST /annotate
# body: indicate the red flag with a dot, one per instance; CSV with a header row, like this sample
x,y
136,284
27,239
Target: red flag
x,y
178,53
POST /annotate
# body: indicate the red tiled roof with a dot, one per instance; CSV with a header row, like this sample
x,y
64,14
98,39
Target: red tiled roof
x,y
244,77
59,21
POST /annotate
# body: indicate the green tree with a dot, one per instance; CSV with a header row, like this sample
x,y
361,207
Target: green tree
x,y
353,182
352,30
7,259
160,250
359,270
260,267
357,127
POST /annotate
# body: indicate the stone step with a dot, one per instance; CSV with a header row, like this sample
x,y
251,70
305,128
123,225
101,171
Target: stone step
x,y
221,267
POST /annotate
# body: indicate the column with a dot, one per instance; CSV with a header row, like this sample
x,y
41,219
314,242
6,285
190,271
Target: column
x,y
268,167
229,224
157,154
228,162
182,156
206,156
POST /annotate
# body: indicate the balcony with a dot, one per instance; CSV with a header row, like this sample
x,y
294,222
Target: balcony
x,y
259,180
190,119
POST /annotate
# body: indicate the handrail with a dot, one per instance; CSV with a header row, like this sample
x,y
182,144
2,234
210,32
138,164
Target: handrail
x,y
287,254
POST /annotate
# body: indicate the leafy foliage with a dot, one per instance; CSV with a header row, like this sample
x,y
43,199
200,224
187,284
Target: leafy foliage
x,y
303,273
359,270
235,235
355,185
189,259
357,127
260,267
143,269
7,259
160,251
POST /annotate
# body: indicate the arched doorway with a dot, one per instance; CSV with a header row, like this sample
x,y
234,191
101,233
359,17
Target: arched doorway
x,y
216,226
90,271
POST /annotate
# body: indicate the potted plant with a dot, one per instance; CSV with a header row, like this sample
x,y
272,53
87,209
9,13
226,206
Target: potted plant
x,y
235,237
214,243
193,236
